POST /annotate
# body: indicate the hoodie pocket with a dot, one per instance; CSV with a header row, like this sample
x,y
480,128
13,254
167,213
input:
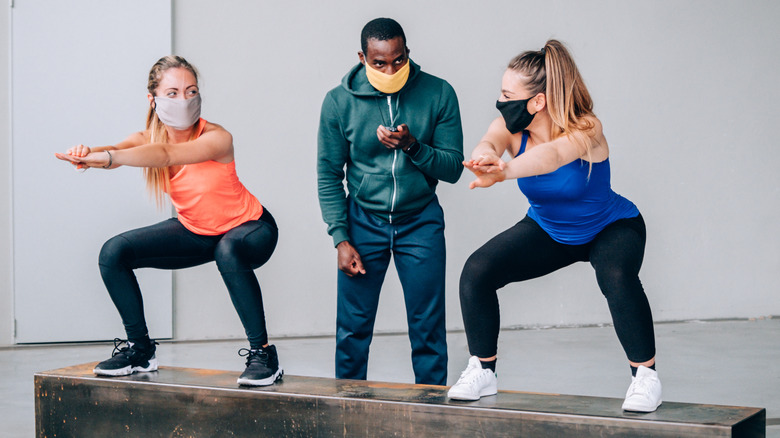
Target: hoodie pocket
x,y
375,192
414,192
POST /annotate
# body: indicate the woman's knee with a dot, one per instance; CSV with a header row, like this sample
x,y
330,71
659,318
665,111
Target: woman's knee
x,y
227,256
245,248
116,251
617,283
477,274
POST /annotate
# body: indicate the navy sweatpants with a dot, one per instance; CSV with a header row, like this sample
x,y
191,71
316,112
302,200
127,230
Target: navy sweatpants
x,y
417,246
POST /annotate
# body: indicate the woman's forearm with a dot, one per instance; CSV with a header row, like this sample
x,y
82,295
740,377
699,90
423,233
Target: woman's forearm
x,y
149,155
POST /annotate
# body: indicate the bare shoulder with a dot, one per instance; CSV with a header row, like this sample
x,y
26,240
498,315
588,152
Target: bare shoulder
x,y
592,126
140,135
135,139
599,148
217,131
219,141
214,127
501,138
498,127
598,129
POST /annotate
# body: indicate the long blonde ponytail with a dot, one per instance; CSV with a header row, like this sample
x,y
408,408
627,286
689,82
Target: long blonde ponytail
x,y
552,71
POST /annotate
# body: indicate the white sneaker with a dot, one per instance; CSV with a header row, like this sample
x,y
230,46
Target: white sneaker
x,y
644,394
474,382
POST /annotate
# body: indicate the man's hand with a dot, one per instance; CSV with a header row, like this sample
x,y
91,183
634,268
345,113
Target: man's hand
x,y
400,139
349,259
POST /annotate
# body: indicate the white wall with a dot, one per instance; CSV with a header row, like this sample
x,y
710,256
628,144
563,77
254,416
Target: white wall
x,y
6,283
685,89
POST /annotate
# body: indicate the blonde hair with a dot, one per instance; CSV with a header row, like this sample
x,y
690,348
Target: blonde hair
x,y
158,179
552,71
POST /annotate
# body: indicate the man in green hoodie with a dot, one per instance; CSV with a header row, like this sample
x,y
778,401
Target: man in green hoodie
x,y
398,132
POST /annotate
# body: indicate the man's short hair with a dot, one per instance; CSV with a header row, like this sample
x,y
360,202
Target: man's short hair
x,y
381,29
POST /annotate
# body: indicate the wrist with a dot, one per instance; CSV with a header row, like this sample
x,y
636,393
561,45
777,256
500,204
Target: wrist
x,y
110,160
412,149
483,148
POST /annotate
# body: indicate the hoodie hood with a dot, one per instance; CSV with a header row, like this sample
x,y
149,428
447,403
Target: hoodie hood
x,y
357,83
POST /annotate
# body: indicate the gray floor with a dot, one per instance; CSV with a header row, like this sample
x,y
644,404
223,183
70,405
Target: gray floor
x,y
722,362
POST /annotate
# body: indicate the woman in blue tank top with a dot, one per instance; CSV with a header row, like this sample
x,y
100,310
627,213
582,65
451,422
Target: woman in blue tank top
x,y
561,164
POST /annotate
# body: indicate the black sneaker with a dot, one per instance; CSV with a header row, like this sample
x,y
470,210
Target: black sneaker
x,y
128,360
262,366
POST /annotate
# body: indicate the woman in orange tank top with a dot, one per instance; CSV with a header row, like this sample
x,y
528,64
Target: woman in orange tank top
x,y
192,161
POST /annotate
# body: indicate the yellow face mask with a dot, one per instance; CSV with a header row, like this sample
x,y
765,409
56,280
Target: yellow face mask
x,y
386,83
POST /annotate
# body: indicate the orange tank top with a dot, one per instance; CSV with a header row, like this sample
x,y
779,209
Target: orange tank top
x,y
208,197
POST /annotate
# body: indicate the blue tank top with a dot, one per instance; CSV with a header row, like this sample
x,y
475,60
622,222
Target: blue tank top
x,y
571,207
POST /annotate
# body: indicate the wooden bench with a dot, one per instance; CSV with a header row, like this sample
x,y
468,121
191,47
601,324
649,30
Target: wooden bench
x,y
185,402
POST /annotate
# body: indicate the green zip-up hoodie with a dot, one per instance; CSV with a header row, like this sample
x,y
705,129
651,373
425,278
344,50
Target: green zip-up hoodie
x,y
389,184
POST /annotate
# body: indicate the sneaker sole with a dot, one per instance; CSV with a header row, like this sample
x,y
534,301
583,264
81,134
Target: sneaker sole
x,y
462,397
642,409
469,397
262,382
126,371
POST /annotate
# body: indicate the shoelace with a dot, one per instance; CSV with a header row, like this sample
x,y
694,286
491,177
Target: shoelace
x,y
641,385
251,354
117,343
470,375
124,350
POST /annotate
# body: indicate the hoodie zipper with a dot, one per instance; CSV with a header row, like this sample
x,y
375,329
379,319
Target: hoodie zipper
x,y
395,157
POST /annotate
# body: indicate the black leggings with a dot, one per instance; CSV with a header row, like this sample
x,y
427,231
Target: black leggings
x,y
525,251
168,245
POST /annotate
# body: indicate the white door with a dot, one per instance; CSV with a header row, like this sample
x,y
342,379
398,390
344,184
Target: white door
x,y
78,73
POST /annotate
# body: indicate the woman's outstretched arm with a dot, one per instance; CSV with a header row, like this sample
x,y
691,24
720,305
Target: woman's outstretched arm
x,y
214,144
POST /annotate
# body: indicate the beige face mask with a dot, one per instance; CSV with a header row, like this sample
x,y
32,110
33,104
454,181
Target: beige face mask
x,y
386,83
177,113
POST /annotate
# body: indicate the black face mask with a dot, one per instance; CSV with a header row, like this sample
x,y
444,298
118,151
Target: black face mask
x,y
516,115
